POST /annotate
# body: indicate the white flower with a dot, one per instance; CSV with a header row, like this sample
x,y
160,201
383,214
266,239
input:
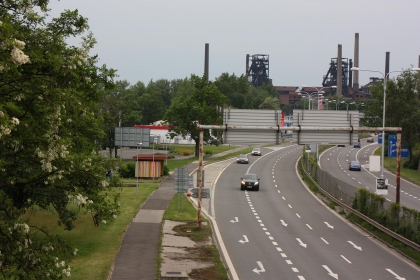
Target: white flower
x,y
103,221
18,57
15,121
1,114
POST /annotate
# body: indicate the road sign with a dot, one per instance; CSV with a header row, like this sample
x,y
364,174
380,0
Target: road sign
x,y
205,192
380,138
392,147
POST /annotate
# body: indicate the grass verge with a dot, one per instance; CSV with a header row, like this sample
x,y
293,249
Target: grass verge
x,y
97,246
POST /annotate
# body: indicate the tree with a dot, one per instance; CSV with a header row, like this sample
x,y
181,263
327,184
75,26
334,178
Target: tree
x,y
110,108
287,109
197,107
270,103
402,110
50,128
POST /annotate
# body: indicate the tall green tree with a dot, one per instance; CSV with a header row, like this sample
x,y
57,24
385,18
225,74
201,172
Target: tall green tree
x,y
50,127
270,103
402,109
197,107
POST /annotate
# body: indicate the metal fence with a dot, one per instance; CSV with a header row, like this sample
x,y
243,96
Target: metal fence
x,y
400,222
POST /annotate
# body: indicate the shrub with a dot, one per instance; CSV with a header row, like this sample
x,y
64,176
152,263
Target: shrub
x,y
208,153
127,169
184,152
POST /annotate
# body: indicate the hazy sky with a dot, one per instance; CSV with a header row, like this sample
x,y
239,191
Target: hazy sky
x,y
154,39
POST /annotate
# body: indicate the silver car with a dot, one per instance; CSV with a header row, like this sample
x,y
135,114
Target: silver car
x,y
242,158
256,152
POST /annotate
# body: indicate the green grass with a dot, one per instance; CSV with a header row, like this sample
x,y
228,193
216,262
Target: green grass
x,y
97,246
391,164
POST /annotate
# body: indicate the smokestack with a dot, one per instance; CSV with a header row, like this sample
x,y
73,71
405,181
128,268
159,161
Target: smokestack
x,y
419,83
339,72
206,62
247,65
350,73
356,64
386,66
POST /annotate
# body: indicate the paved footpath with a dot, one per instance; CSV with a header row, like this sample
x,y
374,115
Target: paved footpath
x,y
138,254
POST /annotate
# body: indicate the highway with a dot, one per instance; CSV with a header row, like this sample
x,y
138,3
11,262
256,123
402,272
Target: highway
x,y
335,161
283,231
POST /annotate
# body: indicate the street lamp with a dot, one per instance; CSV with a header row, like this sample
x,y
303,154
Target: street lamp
x,y
309,95
153,166
347,104
383,110
319,91
336,103
137,167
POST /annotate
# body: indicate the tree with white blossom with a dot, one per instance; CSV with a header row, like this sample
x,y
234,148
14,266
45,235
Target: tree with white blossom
x,y
49,130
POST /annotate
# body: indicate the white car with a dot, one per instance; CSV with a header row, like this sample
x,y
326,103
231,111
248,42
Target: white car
x,y
256,152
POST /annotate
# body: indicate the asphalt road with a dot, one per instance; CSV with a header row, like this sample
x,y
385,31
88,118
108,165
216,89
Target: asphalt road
x,y
335,161
283,232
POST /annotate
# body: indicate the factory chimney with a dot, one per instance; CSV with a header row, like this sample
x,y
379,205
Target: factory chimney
x,y
339,72
356,64
206,62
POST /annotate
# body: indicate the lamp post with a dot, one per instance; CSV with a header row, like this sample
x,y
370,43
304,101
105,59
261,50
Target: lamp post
x,y
168,148
336,103
319,91
137,167
153,166
309,95
347,104
386,76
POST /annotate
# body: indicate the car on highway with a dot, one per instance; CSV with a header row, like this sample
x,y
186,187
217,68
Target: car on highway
x,y
242,158
370,140
256,152
355,165
357,145
250,181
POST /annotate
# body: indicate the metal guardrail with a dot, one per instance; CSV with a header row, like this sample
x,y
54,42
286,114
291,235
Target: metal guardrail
x,y
343,195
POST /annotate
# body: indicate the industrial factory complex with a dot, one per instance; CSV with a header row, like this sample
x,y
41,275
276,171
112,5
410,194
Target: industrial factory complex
x,y
339,79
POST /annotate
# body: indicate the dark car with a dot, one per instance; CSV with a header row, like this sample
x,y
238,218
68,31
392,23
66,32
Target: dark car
x,y
355,165
370,140
242,158
256,152
341,145
250,181
357,145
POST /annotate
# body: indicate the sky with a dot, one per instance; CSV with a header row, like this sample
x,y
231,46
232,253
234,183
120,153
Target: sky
x,y
148,40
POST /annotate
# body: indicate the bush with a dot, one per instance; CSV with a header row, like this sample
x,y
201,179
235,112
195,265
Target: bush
x,y
412,163
165,170
127,169
184,152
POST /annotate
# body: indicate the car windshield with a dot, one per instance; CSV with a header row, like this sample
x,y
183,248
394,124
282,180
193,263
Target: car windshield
x,y
256,149
354,163
250,177
242,156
